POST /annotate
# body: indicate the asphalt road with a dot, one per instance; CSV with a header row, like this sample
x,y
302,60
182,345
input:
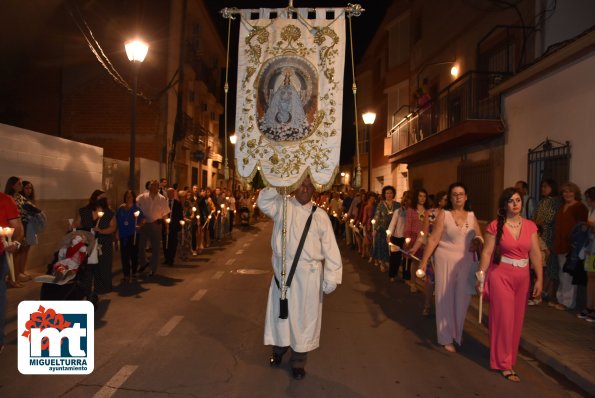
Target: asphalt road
x,y
195,330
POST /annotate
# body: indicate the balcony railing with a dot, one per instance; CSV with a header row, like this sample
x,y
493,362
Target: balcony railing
x,y
465,99
194,134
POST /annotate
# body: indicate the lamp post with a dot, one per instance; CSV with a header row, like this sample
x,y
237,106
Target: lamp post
x,y
233,139
136,51
369,118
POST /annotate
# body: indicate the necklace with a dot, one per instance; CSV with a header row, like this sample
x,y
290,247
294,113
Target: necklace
x,y
391,208
460,224
514,226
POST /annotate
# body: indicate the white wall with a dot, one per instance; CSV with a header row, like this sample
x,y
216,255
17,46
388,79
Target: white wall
x,y
560,106
58,168
149,170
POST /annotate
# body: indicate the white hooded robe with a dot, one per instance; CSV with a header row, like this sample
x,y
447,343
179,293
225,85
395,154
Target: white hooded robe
x,y
320,260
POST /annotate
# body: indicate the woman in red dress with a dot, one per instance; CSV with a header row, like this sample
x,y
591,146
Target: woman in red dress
x,y
511,243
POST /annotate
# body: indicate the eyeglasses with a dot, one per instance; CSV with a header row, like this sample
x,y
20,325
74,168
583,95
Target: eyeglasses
x,y
457,194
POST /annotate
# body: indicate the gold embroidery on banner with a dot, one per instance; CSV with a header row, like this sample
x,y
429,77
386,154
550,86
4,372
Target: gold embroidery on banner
x,y
288,158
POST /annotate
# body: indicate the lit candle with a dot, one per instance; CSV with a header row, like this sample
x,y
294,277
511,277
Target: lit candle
x,y
99,215
388,232
167,221
182,222
420,273
6,240
136,214
193,209
407,241
373,221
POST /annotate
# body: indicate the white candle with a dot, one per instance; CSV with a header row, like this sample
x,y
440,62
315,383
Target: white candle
x,y
136,214
6,240
373,221
167,221
182,222
99,215
420,273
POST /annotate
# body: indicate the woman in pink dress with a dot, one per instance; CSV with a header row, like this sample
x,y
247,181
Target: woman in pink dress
x,y
454,238
511,244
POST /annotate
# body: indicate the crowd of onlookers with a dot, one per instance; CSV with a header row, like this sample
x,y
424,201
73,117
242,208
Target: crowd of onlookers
x,y
179,223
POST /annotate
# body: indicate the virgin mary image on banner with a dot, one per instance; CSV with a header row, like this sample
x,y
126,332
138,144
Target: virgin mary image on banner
x,y
290,99
286,99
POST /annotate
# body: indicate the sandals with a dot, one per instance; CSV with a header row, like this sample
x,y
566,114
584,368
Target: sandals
x,y
510,375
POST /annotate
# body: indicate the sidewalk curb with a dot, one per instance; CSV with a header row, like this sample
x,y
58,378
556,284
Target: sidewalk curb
x,y
548,357
573,373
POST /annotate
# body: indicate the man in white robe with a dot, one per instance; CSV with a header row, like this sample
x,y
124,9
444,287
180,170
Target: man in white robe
x,y
319,270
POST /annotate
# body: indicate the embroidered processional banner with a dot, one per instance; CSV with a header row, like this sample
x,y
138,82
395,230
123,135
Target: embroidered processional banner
x,y
290,96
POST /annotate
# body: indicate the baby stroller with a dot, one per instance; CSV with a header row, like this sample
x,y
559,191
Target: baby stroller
x,y
68,272
244,216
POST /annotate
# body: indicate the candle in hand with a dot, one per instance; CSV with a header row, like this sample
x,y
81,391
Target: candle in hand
x,y
388,232
407,241
99,215
167,221
420,273
136,214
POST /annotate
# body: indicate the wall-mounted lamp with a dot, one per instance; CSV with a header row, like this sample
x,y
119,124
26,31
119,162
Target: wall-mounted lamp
x,y
454,70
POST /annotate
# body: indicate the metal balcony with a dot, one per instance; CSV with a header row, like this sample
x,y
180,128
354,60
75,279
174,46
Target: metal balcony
x,y
464,113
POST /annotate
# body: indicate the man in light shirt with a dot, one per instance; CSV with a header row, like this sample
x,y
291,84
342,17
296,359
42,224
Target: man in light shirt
x,y
155,209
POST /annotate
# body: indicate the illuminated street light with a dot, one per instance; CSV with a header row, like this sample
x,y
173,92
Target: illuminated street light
x,y
136,51
369,118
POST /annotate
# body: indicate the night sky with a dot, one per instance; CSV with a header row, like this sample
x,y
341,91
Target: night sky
x,y
364,28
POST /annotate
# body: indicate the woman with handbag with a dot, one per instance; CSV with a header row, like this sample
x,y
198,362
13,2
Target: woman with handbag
x,y
570,213
511,242
98,277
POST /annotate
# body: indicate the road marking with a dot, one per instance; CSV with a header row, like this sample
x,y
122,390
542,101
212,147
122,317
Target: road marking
x,y
115,382
239,252
170,325
199,295
218,274
230,261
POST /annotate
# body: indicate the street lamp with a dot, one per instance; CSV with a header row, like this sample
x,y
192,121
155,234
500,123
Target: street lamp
x,y
369,118
136,51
